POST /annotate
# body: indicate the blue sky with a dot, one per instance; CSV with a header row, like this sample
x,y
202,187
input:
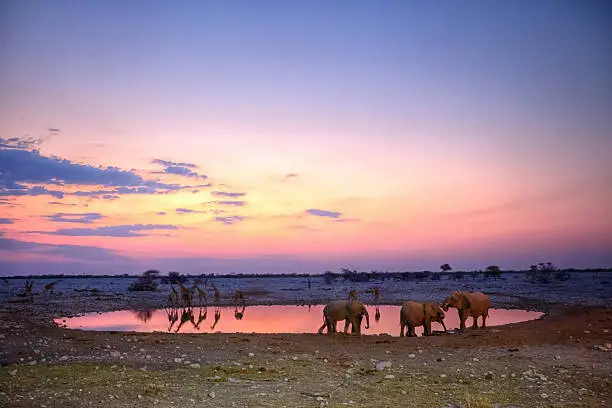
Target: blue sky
x,y
258,125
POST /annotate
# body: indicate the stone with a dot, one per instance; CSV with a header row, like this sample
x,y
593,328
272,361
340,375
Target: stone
x,y
212,394
411,355
194,365
115,354
389,376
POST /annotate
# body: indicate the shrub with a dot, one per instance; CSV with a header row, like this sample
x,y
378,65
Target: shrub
x,y
492,271
146,282
541,272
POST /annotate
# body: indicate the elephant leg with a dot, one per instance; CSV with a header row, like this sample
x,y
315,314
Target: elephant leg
x,y
411,330
402,326
427,329
346,326
475,323
323,327
484,320
356,325
462,318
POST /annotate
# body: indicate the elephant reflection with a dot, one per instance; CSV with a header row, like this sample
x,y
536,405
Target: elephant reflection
x,y
377,314
144,315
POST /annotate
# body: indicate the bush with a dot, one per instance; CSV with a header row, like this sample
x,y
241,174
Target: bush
x,y
541,273
146,282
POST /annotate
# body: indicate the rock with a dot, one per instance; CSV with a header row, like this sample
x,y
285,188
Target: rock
x,y
411,355
475,359
33,362
544,395
178,360
194,365
63,358
381,365
13,372
442,375
115,354
212,394
488,375
389,377
251,354
294,358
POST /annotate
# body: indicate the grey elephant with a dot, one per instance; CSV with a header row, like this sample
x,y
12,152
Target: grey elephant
x,y
414,314
351,311
468,304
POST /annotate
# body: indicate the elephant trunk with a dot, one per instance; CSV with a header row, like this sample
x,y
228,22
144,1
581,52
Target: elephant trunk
x,y
367,316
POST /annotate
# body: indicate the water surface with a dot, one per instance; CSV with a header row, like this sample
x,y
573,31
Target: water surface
x,y
263,319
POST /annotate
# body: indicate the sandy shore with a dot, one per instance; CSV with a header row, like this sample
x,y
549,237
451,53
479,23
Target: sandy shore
x,y
558,361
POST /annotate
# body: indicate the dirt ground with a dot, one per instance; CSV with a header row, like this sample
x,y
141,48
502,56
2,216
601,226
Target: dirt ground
x,y
560,360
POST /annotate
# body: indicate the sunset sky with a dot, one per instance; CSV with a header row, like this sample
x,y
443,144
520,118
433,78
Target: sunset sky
x,y
302,136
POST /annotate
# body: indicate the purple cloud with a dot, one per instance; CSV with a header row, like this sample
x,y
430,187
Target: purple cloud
x,y
120,231
188,211
226,194
324,213
181,169
231,220
83,218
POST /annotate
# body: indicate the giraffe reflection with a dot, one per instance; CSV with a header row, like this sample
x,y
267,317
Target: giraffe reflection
x,y
217,317
173,316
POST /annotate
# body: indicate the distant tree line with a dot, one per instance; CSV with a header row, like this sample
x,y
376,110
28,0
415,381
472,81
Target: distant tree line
x,y
541,272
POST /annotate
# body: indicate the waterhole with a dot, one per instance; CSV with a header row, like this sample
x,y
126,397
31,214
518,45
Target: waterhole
x,y
264,319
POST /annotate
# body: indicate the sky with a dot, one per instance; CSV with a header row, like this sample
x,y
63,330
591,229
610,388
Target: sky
x,y
304,136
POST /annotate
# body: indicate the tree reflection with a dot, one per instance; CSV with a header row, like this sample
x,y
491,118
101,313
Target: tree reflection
x,y
144,315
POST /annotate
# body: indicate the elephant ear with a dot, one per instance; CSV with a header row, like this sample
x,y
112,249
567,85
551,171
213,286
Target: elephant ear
x,y
465,301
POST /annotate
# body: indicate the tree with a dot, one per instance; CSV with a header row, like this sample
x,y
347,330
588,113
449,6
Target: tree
x,y
492,271
446,267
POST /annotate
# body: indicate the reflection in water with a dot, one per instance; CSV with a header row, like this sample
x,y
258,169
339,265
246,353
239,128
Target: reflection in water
x,y
262,319
144,315
217,317
377,314
239,314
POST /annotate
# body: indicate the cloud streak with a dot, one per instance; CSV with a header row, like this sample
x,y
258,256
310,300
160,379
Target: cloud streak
x,y
79,252
324,213
180,169
117,231
226,194
231,220
83,218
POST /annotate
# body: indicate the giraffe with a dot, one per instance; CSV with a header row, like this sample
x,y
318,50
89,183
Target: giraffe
x,y
173,296
217,294
239,296
186,294
49,286
202,299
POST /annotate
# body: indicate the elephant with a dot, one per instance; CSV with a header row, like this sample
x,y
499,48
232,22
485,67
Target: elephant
x,y
413,314
351,311
473,304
